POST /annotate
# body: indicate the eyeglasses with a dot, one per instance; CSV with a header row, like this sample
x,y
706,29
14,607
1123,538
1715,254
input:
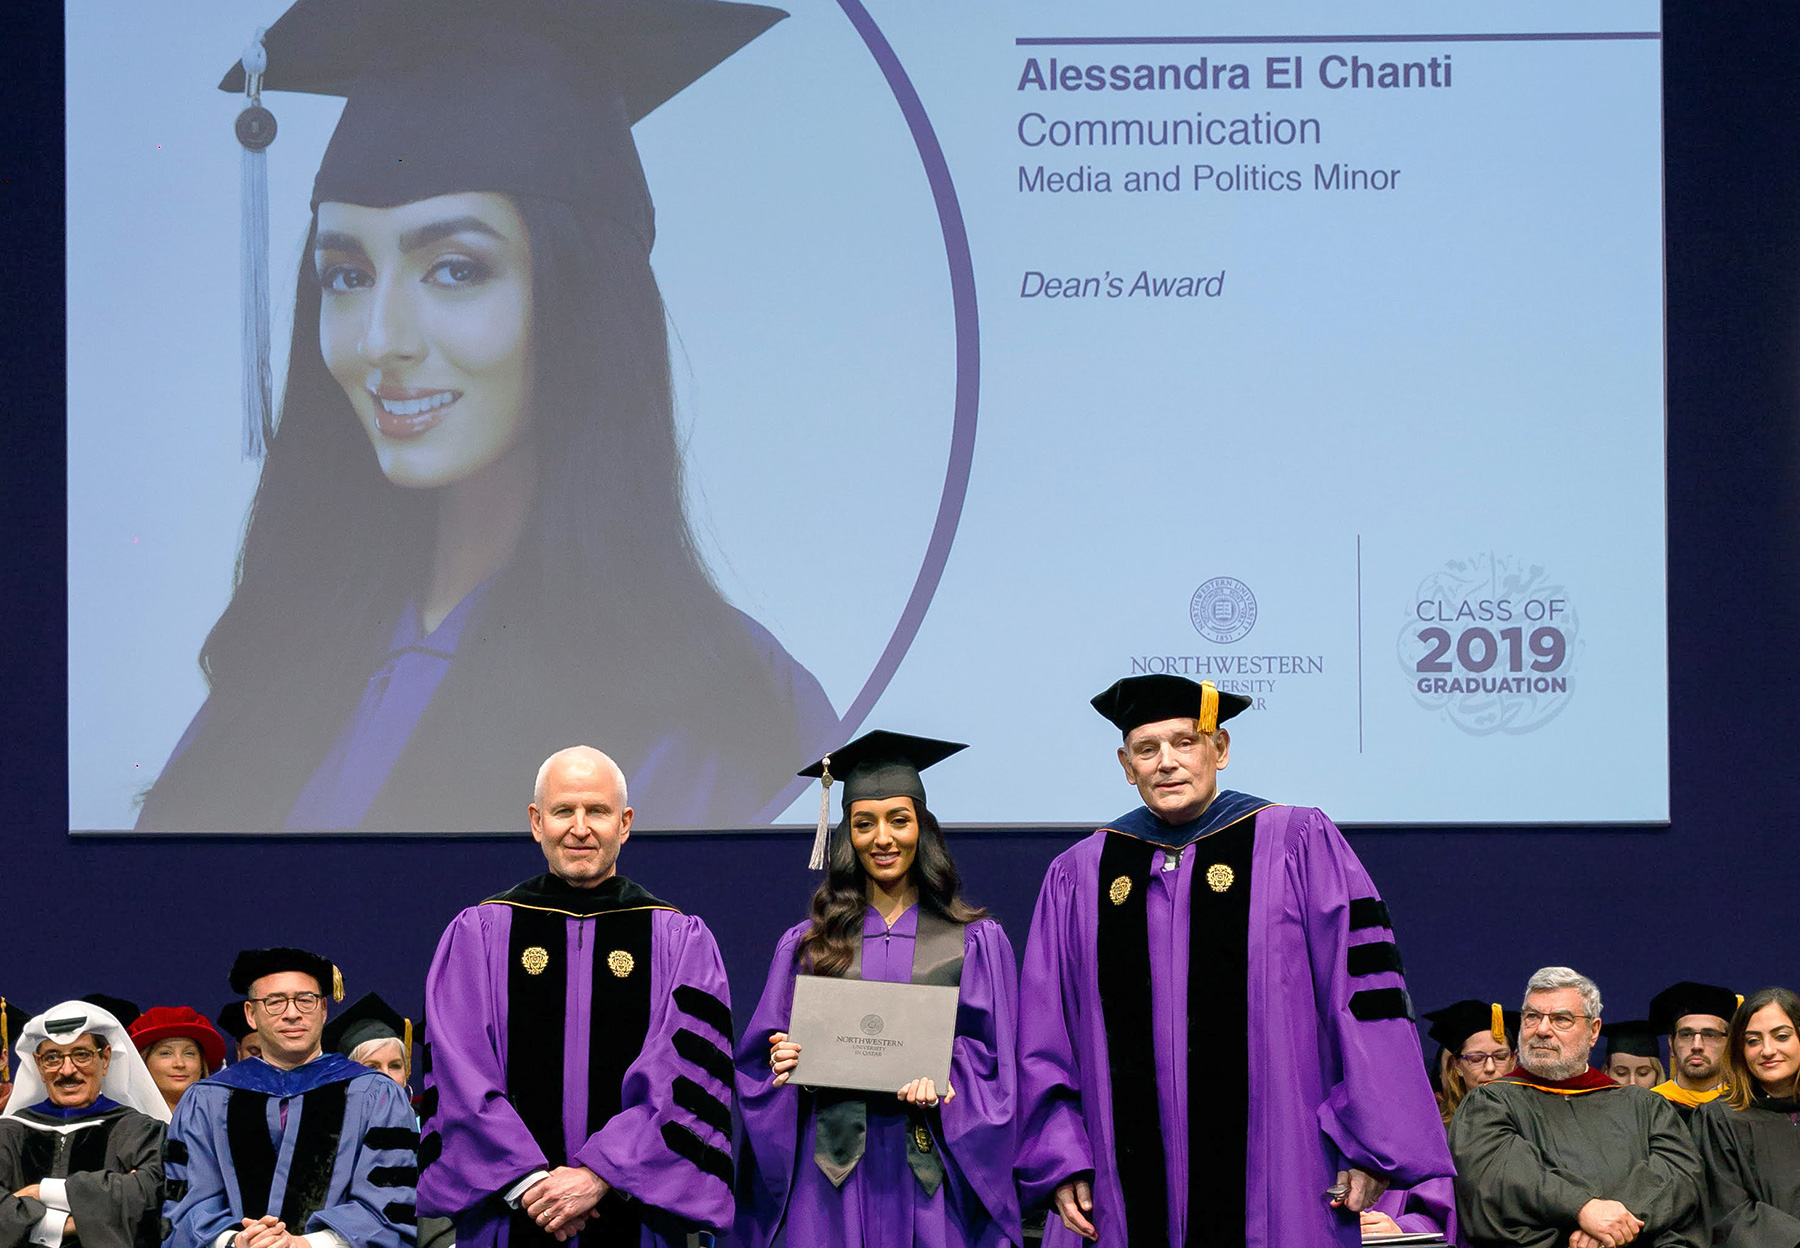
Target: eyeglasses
x,y
305,1002
1473,1060
1687,1035
1559,1022
84,1059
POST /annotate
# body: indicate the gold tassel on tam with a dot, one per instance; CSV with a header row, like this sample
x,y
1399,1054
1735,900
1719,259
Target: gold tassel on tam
x,y
1498,1026
407,1041
1209,708
337,984
5,1046
817,861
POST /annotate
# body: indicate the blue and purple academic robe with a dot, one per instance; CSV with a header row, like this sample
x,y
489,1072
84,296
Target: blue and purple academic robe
x,y
329,1147
578,1027
784,1196
1215,1024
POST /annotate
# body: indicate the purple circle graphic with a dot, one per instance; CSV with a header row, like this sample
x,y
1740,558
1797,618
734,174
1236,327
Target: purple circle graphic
x,y
968,388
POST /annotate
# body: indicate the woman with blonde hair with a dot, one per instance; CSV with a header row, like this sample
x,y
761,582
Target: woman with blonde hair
x,y
1749,1138
1475,1046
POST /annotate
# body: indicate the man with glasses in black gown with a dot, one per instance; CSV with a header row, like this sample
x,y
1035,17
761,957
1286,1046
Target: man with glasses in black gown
x,y
1556,1153
296,1148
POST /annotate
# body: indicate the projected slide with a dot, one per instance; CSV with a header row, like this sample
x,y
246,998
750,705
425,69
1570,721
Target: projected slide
x,y
710,385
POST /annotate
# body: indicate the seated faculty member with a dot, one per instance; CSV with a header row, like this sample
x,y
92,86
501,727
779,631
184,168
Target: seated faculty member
x,y
297,1148
1557,1153
578,1071
1475,1046
1633,1053
179,1047
1749,1138
1695,1018
1215,1042
81,1140
920,1164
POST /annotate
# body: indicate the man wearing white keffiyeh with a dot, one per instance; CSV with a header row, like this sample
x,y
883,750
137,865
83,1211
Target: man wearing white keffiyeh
x,y
82,1135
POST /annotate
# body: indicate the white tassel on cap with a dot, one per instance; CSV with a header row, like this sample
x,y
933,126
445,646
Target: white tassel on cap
x,y
255,131
817,861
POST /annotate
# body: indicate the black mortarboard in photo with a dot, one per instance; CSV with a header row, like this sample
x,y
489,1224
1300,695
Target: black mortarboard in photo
x,y
1452,1026
875,765
232,1022
1633,1037
253,964
366,1018
526,97
1677,1001
1139,700
125,1011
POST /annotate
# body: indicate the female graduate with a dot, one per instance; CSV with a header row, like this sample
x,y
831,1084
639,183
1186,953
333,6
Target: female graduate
x,y
1750,1137
934,1165
468,545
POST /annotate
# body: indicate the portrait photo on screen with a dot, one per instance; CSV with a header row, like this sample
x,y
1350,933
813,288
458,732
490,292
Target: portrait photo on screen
x,y
497,502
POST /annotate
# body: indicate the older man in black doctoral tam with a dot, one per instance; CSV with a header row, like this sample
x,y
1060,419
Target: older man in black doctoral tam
x,y
1556,1153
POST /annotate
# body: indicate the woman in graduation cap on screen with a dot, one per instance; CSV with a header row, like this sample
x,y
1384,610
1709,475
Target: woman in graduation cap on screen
x,y
468,545
922,1165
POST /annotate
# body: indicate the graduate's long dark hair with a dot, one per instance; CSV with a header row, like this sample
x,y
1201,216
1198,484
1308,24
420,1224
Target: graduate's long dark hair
x,y
604,626
841,899
1743,1087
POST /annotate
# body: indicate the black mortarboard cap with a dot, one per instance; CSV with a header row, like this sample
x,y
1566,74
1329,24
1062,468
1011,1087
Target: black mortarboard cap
x,y
1679,1000
252,964
1452,1026
875,765
125,1011
232,1022
533,97
1634,1037
1139,700
366,1018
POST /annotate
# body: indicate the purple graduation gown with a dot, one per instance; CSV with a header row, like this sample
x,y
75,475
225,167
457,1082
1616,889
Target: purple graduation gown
x,y
784,1197
1327,1090
667,1145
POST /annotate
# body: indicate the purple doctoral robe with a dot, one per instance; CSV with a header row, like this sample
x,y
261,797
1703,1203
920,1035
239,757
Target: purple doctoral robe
x,y
1429,1208
583,1028
783,1196
1327,1088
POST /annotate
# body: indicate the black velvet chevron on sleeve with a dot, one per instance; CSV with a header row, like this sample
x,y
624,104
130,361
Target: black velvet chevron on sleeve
x,y
402,1212
703,1053
703,1104
175,1152
1375,958
700,1004
390,1137
394,1176
1374,1004
1368,912
428,1104
430,1148
175,1190
687,1144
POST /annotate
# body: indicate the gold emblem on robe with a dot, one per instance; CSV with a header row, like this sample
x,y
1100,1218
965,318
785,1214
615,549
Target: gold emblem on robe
x,y
1120,890
534,960
1219,877
922,1137
619,963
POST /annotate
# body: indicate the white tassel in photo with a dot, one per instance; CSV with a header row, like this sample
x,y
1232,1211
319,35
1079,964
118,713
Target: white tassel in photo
x,y
817,862
255,131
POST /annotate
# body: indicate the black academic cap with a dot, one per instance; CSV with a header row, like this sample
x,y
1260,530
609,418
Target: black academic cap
x,y
533,97
252,964
1452,1026
1139,700
883,764
366,1018
1679,1000
12,1021
232,1022
125,1011
1635,1037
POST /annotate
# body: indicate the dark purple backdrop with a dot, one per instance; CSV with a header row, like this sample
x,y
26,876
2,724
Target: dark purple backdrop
x,y
1712,897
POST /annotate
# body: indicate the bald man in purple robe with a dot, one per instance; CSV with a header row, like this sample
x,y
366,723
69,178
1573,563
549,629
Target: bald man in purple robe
x,y
578,1073
1215,1042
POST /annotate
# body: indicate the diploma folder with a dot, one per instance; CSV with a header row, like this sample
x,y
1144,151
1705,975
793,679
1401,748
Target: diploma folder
x,y
868,1035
